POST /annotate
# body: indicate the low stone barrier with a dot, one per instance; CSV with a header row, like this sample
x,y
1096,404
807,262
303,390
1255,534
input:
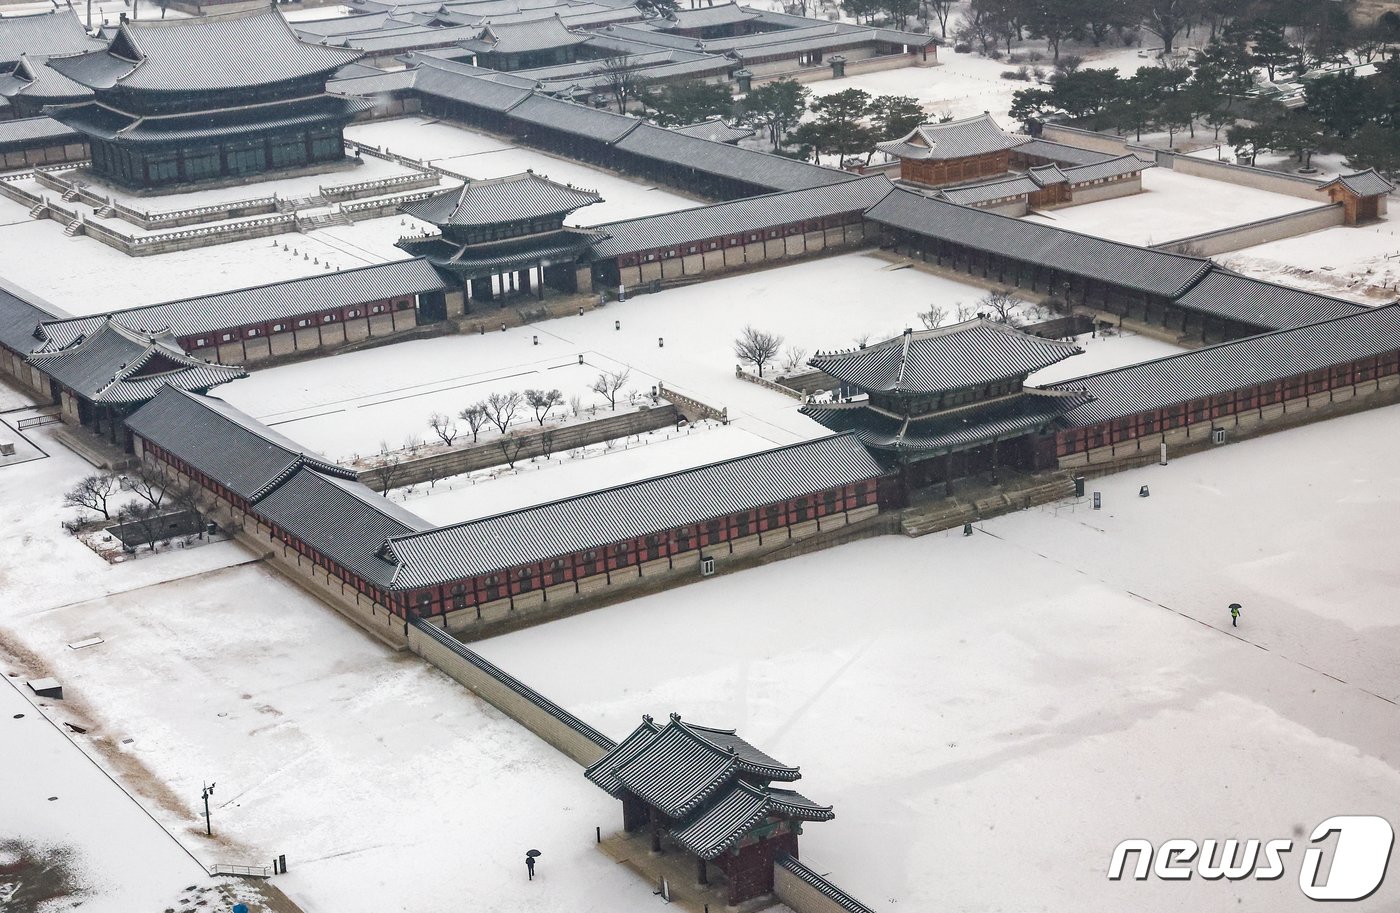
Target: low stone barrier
x,y
766,383
1262,231
533,442
691,407
805,891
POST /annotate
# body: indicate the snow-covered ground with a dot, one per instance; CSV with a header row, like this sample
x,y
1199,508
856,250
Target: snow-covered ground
x,y
822,304
991,715
386,784
1173,206
1102,353
574,472
1361,262
480,155
62,804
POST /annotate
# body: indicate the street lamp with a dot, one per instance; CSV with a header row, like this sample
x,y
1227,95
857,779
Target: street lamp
x,y
208,824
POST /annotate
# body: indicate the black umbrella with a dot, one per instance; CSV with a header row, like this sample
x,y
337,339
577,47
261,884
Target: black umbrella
x,y
533,854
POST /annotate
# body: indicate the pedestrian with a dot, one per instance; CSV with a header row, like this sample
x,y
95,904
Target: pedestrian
x,y
1234,614
530,865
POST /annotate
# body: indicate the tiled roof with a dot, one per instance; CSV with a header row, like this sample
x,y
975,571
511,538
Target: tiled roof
x,y
968,354
1046,175
34,80
954,139
955,429
466,84
28,132
707,17
716,131
821,885
1156,272
1235,365
521,37
229,446
739,810
1260,303
566,116
758,168
603,773
98,121
504,199
275,301
1366,183
973,194
372,82
342,519
20,316
203,54
116,365
56,32
628,511
1123,164
1062,153
750,214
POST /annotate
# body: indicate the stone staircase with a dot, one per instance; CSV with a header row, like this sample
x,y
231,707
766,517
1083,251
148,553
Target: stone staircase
x,y
317,220
73,228
38,210
105,211
74,191
982,502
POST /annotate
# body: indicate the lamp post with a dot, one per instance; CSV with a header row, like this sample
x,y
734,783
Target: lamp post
x,y
208,823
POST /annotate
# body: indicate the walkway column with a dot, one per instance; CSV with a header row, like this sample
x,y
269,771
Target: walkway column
x,y
523,279
704,870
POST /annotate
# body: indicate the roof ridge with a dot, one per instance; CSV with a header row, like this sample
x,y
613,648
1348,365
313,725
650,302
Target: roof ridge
x,y
1061,384
650,479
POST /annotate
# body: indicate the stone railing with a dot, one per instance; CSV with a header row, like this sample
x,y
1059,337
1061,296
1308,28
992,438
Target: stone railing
x,y
691,406
384,207
339,192
764,382
18,194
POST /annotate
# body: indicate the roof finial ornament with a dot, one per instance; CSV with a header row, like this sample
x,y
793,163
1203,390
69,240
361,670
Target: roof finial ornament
x,y
675,717
646,718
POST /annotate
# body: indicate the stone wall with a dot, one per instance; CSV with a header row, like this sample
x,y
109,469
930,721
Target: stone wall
x,y
1094,193
1086,139
470,457
1248,176
1289,225
546,719
802,889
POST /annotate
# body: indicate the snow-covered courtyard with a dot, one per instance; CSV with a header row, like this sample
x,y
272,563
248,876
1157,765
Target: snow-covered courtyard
x,y
991,715
1173,206
480,155
368,769
1361,262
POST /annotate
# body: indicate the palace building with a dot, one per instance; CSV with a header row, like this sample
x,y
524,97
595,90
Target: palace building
x,y
1363,195
950,402
506,235
218,98
709,793
955,151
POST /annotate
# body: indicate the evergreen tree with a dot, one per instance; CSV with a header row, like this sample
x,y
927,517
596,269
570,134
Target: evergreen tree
x,y
690,102
776,107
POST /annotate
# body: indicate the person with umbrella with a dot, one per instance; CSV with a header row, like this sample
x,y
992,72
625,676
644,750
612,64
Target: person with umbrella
x,y
1235,614
530,857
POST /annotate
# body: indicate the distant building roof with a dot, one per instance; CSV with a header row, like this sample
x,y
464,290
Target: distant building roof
x,y
524,37
227,445
954,139
56,32
275,301
33,80
1002,188
1114,167
707,17
1061,153
31,132
716,131
1235,365
504,199
119,366
739,216
21,313
1366,183
226,51
968,354
1261,303
760,169
1155,272
627,511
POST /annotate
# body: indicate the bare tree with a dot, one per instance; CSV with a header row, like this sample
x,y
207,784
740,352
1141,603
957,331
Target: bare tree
x,y
146,484
93,493
388,468
965,312
501,408
411,442
622,77
794,357
757,347
935,316
184,496
511,445
547,442
1001,306
542,401
576,405
145,518
444,427
475,416
609,383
